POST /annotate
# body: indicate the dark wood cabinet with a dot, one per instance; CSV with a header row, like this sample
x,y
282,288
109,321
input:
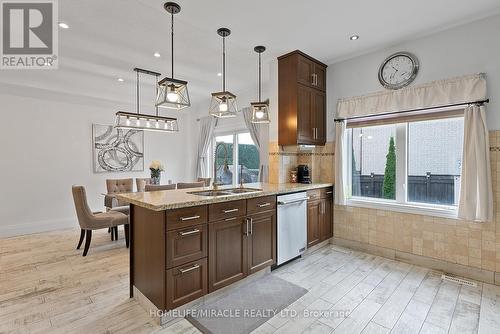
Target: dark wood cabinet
x,y
240,246
301,100
313,220
319,215
261,241
227,252
326,219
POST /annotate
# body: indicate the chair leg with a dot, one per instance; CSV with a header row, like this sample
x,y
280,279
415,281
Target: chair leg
x,y
109,229
87,242
116,232
82,235
112,233
127,234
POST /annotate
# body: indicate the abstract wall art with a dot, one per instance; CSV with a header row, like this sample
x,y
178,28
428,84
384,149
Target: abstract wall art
x,y
117,150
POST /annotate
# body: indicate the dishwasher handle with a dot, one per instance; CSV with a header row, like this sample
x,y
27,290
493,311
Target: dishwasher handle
x,y
294,201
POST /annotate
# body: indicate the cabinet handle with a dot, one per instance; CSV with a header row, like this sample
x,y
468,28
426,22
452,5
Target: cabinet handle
x,y
316,76
229,219
183,219
231,210
246,227
183,271
263,205
329,192
189,232
251,226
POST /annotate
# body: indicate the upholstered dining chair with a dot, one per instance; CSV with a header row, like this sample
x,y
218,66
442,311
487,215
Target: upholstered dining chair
x,y
182,185
141,183
90,221
206,180
116,186
157,187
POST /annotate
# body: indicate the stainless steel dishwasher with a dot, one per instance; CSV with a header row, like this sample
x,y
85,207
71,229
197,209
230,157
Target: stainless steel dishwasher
x,y
292,226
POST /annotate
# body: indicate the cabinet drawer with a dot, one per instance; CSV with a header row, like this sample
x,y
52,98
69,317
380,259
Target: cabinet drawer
x,y
186,245
326,192
185,217
186,283
220,211
314,194
261,204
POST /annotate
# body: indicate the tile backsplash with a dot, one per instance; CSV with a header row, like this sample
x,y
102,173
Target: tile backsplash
x,y
282,160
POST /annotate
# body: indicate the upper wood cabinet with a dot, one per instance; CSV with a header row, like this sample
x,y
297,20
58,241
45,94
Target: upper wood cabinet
x,y
301,100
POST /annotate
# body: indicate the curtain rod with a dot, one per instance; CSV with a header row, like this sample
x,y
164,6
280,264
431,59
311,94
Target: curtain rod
x,y
481,102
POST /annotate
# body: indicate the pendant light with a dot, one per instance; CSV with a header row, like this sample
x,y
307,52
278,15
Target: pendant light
x,y
172,93
138,121
223,104
260,110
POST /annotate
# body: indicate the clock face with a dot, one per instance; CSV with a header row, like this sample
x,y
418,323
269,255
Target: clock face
x,y
398,70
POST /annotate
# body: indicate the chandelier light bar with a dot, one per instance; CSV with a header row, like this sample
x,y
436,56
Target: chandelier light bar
x,y
128,120
223,104
146,122
172,93
260,110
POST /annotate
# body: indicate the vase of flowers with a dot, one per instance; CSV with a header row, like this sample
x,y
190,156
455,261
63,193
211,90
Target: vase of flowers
x,y
156,168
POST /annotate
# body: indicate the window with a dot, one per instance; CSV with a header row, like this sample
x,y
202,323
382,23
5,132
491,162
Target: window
x,y
237,158
411,164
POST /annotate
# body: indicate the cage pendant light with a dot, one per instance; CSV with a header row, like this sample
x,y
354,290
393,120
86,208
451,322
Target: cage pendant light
x,y
172,93
223,104
260,110
146,122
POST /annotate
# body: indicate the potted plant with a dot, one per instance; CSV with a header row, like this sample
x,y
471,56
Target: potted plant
x,y
156,168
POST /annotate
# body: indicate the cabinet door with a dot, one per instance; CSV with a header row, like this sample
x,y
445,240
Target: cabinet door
x,y
262,241
313,219
186,245
320,77
304,120
326,219
305,69
318,116
228,252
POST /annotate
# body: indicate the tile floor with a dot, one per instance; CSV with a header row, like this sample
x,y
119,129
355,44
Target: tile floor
x,y
47,287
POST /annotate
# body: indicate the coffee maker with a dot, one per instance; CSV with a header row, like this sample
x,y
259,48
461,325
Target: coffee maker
x,y
303,174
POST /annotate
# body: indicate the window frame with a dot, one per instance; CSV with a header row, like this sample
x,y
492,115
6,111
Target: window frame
x,y
211,149
401,203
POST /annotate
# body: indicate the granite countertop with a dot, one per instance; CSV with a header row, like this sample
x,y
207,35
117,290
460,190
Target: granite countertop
x,y
181,198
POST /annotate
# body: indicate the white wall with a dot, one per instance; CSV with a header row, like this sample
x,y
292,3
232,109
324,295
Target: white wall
x,y
47,147
466,49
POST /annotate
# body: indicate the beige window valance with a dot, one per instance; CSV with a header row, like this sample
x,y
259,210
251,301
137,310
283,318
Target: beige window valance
x,y
465,89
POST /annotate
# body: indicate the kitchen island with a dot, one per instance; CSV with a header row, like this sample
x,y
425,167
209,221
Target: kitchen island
x,y
187,243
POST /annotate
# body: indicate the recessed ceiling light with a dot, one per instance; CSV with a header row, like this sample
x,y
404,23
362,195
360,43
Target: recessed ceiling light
x,y
63,25
354,37
120,80
219,74
157,54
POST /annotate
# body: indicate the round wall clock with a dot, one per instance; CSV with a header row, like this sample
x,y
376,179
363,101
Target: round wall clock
x,y
398,70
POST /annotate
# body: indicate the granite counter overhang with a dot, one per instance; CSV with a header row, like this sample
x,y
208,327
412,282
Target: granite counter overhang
x,y
181,198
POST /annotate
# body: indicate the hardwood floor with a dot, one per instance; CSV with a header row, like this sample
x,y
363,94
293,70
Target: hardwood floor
x,y
46,286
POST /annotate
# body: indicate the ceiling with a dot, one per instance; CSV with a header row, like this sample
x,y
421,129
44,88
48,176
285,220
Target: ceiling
x,y
106,41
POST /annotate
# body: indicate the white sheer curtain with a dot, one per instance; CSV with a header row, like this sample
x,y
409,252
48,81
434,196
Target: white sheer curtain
x,y
340,164
259,134
207,126
476,194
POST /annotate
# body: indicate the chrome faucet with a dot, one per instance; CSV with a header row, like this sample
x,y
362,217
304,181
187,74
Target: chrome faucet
x,y
215,184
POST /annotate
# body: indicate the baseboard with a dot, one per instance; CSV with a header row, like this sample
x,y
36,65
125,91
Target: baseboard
x,y
456,269
37,227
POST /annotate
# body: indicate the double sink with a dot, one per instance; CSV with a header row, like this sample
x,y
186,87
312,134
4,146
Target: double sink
x,y
224,192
